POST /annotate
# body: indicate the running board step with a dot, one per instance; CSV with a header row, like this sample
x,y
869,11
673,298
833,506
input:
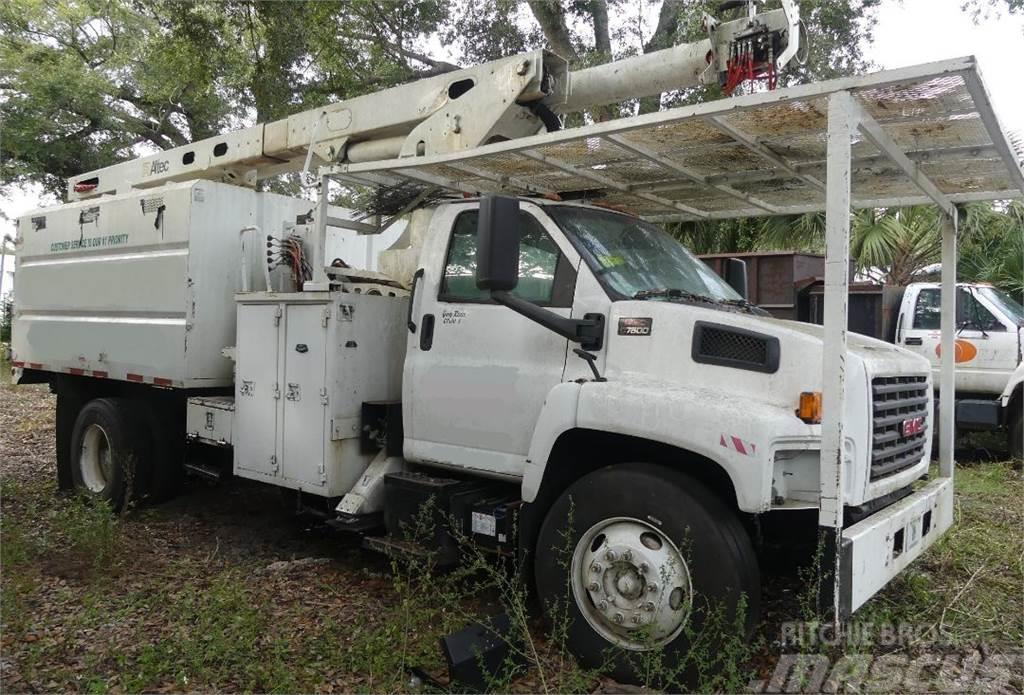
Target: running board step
x,y
210,473
357,523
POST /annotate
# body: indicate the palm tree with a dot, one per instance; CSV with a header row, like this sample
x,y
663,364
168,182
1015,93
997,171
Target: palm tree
x,y
891,245
992,246
894,245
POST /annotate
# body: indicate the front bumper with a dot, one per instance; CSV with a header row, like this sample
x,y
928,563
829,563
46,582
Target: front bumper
x,y
881,546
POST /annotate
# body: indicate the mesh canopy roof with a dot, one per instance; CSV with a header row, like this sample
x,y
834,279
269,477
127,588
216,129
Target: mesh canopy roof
x,y
753,155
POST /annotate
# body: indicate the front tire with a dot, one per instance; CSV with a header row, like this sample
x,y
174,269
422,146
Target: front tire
x,y
109,451
640,557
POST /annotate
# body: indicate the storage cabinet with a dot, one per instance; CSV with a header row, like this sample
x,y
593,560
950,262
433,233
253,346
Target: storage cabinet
x,y
306,363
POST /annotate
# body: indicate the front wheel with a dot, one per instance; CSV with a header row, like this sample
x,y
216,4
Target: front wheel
x,y
639,558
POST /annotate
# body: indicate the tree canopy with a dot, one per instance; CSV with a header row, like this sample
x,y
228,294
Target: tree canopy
x,y
87,83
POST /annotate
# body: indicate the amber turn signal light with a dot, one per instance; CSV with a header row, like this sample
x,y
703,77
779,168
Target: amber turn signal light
x,y
810,407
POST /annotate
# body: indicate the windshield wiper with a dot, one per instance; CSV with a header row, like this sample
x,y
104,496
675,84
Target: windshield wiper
x,y
745,305
673,293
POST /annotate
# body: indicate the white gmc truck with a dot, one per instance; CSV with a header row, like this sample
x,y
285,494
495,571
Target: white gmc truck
x,y
548,373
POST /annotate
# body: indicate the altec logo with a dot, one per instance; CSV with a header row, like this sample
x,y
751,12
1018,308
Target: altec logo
x,y
159,167
914,425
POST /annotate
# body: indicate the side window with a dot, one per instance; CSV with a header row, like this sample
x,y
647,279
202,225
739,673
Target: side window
x,y
545,277
970,313
928,310
973,316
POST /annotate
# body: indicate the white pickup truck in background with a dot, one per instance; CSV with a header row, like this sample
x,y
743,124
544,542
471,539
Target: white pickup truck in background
x,y
990,330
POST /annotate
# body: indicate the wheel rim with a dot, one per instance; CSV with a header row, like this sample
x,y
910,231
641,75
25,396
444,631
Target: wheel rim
x,y
631,583
95,460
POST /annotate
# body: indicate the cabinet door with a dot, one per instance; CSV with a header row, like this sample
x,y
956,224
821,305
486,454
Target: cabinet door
x,y
256,390
303,394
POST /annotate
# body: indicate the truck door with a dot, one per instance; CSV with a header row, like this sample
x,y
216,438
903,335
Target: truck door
x,y
476,373
985,346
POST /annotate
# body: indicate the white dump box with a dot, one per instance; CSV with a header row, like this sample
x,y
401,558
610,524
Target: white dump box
x,y
140,286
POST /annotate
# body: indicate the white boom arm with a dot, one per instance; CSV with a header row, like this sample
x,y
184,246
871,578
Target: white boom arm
x,y
502,100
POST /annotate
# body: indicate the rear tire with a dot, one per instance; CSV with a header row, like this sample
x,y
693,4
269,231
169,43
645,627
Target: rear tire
x,y
109,452
654,557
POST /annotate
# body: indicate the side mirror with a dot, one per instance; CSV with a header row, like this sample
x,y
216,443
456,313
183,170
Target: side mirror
x,y
736,275
497,249
497,271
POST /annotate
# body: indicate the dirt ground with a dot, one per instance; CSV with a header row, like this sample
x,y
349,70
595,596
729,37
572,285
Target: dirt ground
x,y
203,593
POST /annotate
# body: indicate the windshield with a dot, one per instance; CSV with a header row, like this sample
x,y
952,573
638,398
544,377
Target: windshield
x,y
636,259
1007,304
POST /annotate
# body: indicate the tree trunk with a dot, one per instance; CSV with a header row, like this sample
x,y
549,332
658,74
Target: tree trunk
x,y
663,37
551,16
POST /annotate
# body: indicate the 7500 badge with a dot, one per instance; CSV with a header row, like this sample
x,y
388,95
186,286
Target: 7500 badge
x,y
635,325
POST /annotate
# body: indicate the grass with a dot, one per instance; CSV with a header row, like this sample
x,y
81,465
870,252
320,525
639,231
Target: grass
x,y
967,589
161,599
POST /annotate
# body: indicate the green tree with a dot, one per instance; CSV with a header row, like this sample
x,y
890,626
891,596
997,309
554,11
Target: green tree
x,y
87,83
992,246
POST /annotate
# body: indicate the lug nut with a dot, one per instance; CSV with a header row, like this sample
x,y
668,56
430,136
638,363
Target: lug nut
x,y
644,567
627,556
596,568
594,586
649,606
603,605
610,556
652,587
636,619
618,618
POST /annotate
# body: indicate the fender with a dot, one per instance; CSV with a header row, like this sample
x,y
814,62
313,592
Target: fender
x,y
702,421
1012,385
557,416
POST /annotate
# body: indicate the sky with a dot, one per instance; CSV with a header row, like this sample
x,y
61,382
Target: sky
x,y
908,32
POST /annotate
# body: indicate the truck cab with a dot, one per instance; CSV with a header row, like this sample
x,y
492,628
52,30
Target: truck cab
x,y
989,344
493,392
988,340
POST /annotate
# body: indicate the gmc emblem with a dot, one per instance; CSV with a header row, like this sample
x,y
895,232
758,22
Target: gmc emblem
x,y
914,425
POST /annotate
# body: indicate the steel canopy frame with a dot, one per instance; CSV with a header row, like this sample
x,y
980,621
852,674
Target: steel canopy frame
x,y
870,124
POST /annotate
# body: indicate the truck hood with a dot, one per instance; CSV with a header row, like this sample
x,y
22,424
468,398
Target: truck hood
x,y
667,354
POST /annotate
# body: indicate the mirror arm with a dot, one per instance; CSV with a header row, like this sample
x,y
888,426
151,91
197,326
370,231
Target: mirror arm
x,y
588,331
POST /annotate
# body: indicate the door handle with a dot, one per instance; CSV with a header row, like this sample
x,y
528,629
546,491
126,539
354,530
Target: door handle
x,y
412,300
913,341
427,334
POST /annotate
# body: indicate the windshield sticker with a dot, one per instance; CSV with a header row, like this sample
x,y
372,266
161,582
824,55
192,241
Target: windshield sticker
x,y
611,261
635,325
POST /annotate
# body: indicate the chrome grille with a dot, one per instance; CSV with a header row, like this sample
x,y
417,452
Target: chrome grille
x,y
896,399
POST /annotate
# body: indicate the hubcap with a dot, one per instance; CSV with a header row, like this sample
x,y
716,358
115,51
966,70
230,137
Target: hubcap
x,y
631,583
95,460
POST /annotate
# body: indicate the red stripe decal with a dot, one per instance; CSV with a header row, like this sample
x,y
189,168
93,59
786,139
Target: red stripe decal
x,y
134,377
76,371
17,364
102,375
35,365
160,381
738,443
